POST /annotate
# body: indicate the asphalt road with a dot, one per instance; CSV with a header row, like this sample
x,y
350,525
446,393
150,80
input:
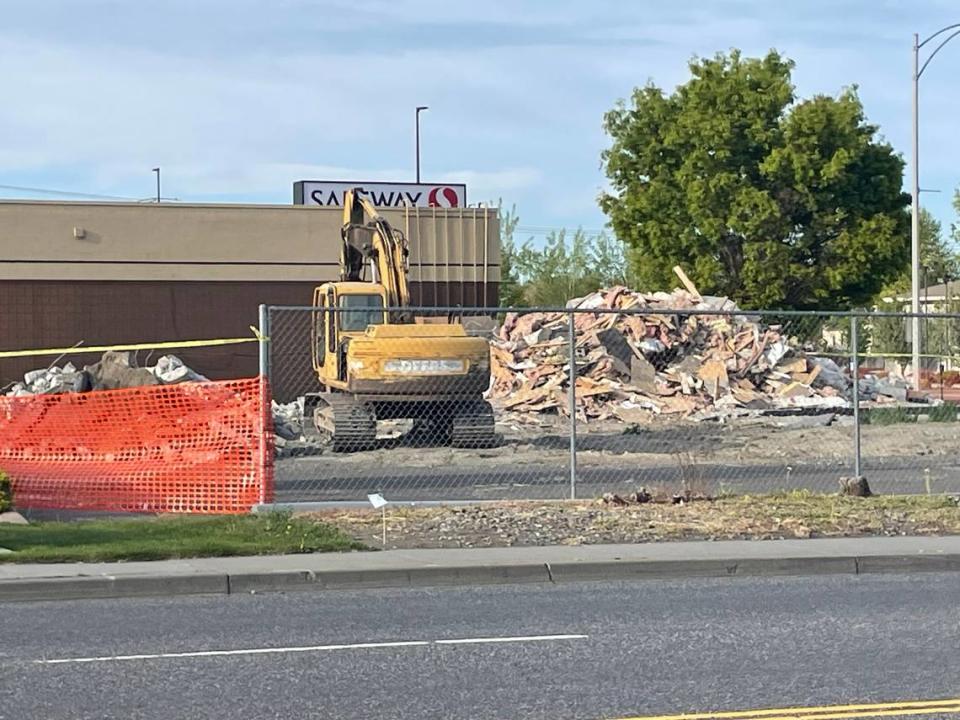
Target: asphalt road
x,y
326,479
638,649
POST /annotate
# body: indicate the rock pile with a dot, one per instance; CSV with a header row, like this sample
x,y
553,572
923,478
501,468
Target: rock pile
x,y
113,371
288,420
645,361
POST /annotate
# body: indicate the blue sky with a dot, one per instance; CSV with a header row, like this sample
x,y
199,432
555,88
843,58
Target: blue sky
x,y
236,100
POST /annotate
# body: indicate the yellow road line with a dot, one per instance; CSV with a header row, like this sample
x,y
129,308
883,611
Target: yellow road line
x,y
822,712
944,709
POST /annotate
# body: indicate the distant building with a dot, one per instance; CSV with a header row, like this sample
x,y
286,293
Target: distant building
x,y
119,273
933,298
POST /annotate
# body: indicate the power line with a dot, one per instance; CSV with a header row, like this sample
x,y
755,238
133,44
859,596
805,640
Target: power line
x,y
67,193
550,228
537,231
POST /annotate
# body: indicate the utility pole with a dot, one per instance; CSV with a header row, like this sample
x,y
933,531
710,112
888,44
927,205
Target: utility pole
x,y
915,221
915,194
157,171
420,108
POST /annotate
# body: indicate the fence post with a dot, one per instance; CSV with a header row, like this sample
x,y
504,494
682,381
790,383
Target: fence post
x,y
266,406
855,365
264,344
572,396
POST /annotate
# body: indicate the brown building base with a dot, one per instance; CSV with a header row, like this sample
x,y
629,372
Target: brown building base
x,y
37,314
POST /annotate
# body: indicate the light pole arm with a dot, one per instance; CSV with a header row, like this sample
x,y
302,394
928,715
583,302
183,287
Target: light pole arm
x,y
949,37
939,32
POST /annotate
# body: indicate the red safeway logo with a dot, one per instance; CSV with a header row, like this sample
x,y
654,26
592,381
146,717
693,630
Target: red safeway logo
x,y
442,197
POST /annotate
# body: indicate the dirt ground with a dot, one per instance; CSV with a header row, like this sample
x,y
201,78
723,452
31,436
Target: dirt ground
x,y
792,515
744,441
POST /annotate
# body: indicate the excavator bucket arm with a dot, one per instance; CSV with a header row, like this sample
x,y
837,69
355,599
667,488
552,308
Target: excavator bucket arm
x,y
368,237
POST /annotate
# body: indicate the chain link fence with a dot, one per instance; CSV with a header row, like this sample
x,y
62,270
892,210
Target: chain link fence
x,y
679,402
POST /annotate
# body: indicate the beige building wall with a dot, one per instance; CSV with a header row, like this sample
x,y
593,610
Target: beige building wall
x,y
42,240
116,273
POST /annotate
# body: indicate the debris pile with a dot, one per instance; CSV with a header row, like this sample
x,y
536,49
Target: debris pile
x,y
112,372
643,361
288,420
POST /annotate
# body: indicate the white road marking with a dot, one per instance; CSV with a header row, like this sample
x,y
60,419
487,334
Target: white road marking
x,y
519,638
218,653
309,648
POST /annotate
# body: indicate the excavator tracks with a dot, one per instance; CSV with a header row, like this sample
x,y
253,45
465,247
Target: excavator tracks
x,y
472,426
349,423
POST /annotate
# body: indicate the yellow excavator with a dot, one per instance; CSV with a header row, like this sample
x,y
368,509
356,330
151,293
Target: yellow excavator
x,y
375,362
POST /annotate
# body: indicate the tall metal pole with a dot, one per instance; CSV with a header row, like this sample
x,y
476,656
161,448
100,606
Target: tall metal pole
x,y
915,225
949,349
264,344
266,408
419,109
855,367
572,398
157,171
915,219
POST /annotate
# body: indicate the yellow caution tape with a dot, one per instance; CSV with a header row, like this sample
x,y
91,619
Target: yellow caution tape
x,y
77,349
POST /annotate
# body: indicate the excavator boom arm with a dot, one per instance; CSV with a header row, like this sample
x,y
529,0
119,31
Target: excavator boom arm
x,y
368,237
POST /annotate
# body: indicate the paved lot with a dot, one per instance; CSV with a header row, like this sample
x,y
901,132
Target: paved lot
x,y
651,647
329,479
760,455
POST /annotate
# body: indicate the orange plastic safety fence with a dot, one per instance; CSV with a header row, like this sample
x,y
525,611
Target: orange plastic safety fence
x,y
192,448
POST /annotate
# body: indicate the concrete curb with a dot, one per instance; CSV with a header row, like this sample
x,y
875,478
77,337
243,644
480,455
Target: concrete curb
x,y
76,588
88,587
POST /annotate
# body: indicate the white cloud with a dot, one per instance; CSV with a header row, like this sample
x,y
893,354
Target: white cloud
x,y
245,97
486,184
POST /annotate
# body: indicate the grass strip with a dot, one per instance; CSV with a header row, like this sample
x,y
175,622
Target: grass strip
x,y
164,537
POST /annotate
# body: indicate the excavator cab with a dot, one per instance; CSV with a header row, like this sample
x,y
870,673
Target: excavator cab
x,y
344,311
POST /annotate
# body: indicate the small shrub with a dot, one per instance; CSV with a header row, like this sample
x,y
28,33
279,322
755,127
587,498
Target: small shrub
x,y
6,493
943,413
894,415
887,416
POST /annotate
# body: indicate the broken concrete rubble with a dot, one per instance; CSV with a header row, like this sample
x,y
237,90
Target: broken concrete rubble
x,y
645,358
51,381
288,419
892,388
829,374
171,370
112,372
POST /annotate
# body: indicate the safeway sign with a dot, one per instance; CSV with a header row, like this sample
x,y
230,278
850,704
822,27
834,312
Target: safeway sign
x,y
330,194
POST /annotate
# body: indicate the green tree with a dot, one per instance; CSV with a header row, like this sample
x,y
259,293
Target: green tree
x,y
955,226
941,335
938,257
888,334
773,202
511,290
565,266
938,262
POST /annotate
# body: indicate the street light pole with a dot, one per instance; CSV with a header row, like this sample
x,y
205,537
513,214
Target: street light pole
x,y
419,109
157,171
915,220
915,195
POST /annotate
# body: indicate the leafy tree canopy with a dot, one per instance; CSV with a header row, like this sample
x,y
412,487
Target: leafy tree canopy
x,y
938,257
774,202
